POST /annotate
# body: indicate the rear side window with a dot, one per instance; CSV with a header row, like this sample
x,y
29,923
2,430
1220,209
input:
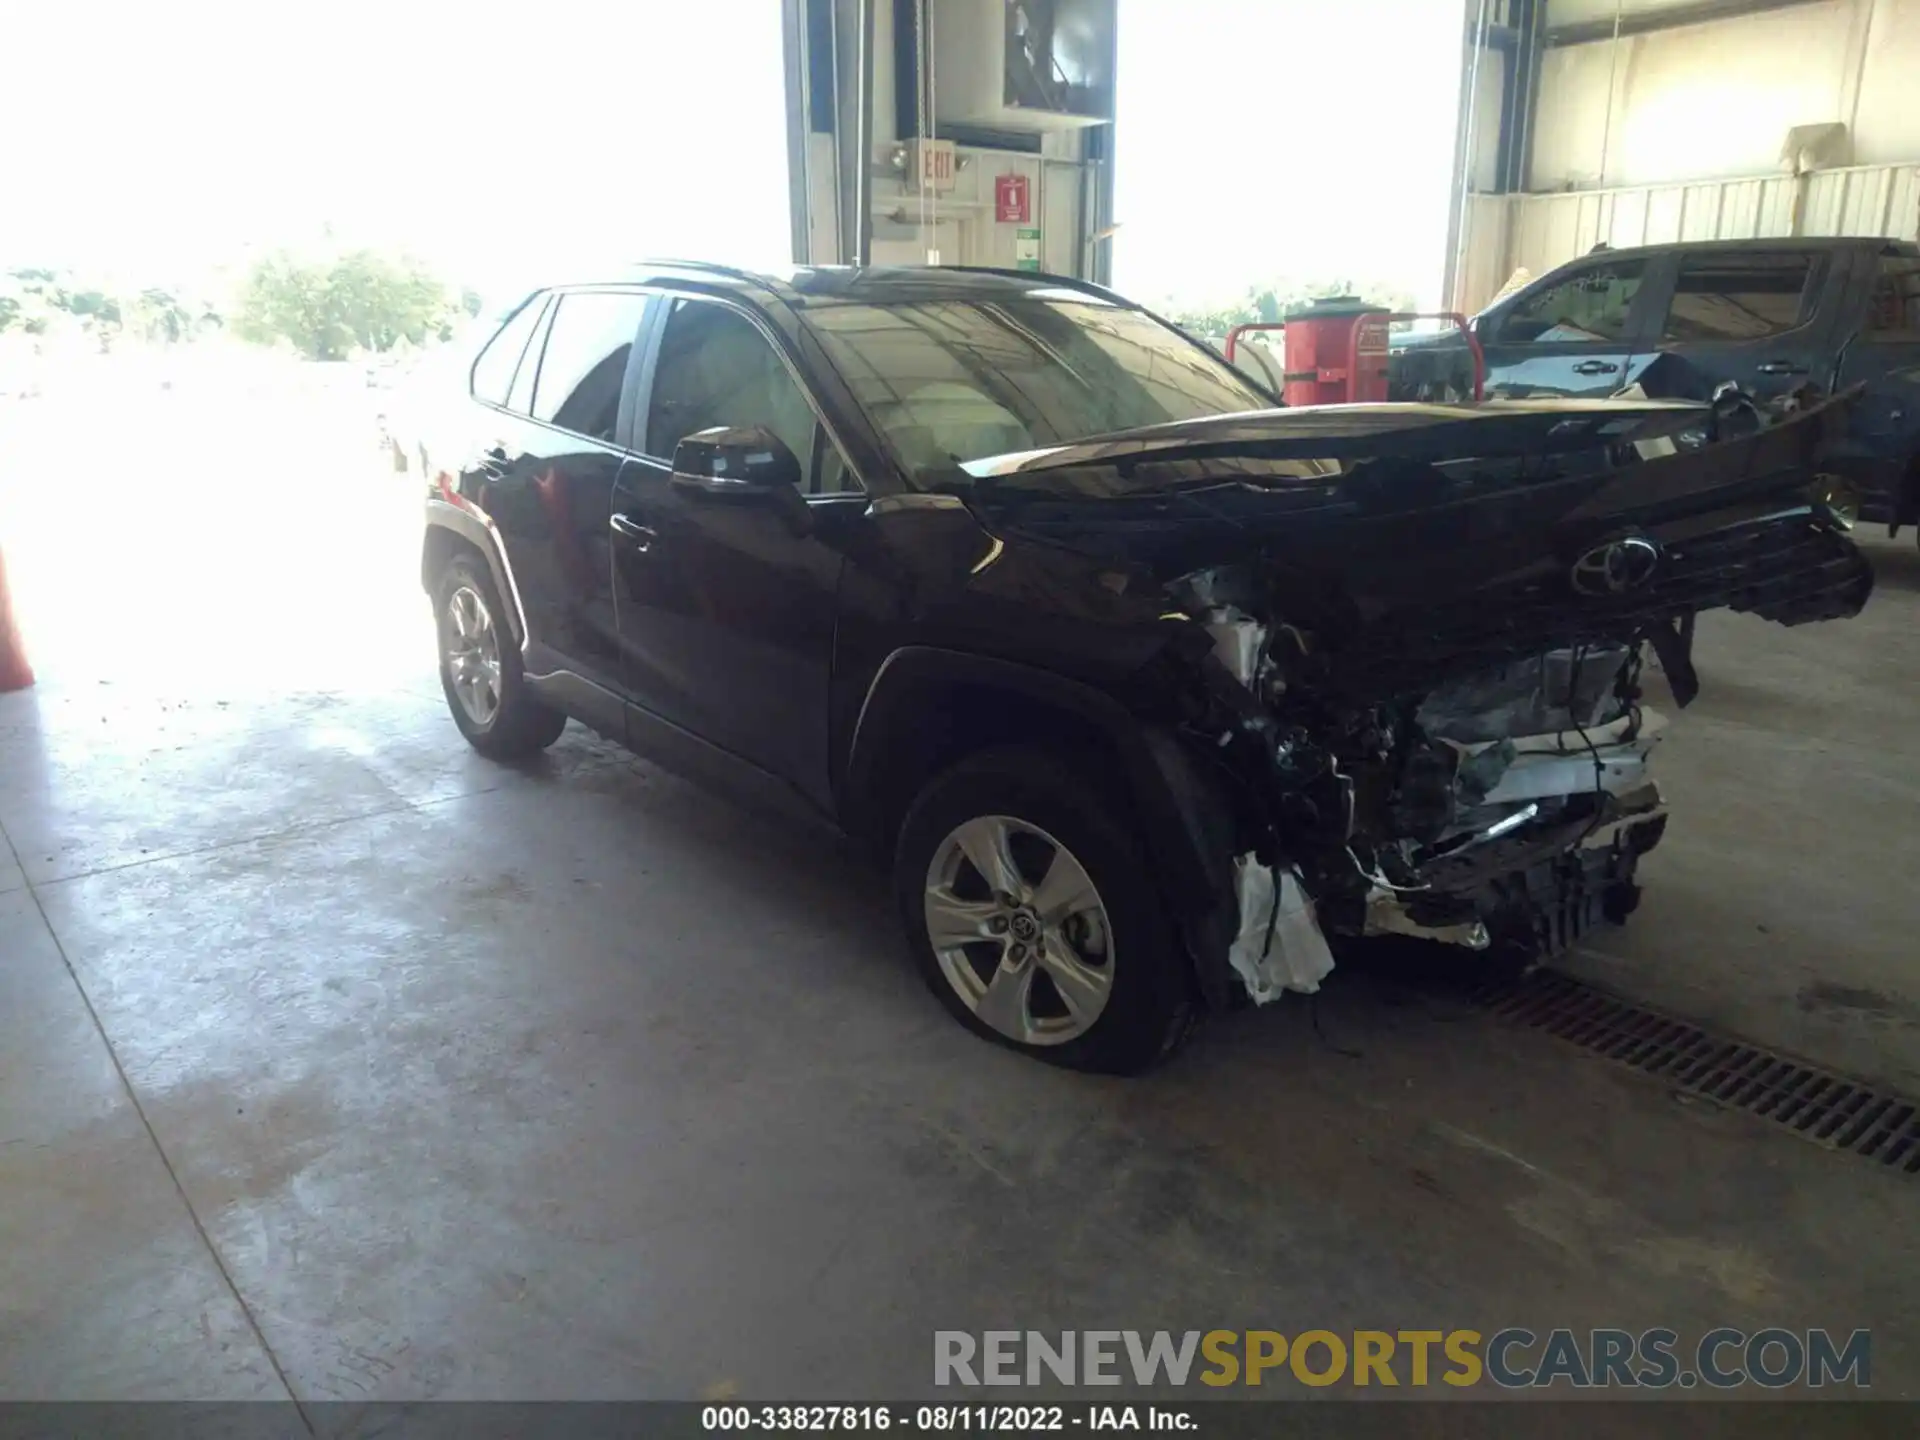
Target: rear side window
x,y
1896,300
1737,297
494,369
584,364
1591,304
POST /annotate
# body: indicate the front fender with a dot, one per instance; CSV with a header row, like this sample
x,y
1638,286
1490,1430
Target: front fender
x,y
1186,823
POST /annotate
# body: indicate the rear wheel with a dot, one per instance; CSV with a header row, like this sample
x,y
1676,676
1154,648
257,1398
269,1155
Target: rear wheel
x,y
480,671
1034,917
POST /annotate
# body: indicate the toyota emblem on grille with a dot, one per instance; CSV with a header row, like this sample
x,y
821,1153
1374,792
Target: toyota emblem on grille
x,y
1616,567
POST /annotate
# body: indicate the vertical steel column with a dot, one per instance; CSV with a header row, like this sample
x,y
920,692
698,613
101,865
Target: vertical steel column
x,y
1472,50
863,141
793,25
1520,93
1098,150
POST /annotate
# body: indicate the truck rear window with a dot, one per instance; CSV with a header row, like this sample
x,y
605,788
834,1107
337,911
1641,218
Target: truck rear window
x,y
1737,297
1895,314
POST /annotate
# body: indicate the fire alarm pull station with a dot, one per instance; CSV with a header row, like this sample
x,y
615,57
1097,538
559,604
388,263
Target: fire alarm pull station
x,y
1012,200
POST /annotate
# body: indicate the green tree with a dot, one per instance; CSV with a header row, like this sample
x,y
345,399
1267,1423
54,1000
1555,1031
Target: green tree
x,y
33,300
162,317
29,298
286,299
93,305
1268,304
327,310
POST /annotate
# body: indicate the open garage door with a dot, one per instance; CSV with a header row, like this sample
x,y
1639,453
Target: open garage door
x,y
1286,148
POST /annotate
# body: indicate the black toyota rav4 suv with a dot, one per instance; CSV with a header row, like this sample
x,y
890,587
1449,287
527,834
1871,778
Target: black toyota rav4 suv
x,y
1142,687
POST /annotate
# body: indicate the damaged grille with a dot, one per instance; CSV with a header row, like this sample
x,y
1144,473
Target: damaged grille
x,y
1792,568
1826,1108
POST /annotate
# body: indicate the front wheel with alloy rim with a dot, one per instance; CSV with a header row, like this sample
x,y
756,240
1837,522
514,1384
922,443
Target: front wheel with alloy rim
x,y
1034,916
480,671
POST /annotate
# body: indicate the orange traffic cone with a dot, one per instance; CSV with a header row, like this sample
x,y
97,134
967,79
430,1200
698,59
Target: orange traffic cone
x,y
15,673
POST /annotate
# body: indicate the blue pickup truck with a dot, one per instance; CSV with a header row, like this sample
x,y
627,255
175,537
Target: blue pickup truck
x,y
1773,316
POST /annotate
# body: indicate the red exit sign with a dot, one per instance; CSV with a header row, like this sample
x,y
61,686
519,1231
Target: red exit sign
x,y
938,164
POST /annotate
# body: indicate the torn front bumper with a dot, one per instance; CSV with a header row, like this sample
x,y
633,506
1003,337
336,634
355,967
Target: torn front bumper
x,y
1548,909
1543,905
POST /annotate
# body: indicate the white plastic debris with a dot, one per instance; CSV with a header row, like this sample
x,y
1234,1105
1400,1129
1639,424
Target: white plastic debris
x,y
1238,641
1276,950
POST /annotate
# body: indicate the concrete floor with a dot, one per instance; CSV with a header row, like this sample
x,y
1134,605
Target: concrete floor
x,y
335,1061
1783,903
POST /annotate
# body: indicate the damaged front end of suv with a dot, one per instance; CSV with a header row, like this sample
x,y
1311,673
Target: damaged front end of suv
x,y
1406,646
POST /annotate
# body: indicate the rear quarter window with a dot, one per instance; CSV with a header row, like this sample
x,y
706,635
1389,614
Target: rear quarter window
x,y
1894,313
493,369
1739,297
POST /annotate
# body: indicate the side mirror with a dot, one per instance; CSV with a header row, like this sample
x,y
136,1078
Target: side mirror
x,y
730,460
744,464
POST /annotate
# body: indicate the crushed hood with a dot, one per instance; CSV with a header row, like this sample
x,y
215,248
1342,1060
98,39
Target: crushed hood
x,y
1421,541
1495,428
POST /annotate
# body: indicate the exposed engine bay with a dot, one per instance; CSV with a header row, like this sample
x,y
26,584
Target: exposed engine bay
x,y
1475,770
1506,808
1409,644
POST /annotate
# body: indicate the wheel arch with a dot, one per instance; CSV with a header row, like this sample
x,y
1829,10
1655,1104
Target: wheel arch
x,y
452,531
928,708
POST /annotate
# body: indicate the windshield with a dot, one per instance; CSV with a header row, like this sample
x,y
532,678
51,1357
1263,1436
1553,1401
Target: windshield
x,y
947,381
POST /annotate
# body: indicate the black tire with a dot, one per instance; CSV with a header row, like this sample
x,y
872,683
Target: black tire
x,y
522,725
1149,1007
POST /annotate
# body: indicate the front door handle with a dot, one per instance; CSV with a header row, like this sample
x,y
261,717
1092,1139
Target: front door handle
x,y
1780,367
639,537
1595,367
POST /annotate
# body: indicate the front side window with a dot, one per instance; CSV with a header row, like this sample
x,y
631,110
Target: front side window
x,y
1594,304
493,371
1895,313
947,381
716,368
584,364
831,473
1737,297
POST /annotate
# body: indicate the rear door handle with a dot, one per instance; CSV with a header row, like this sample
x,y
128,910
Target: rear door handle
x,y
1780,367
639,537
1595,367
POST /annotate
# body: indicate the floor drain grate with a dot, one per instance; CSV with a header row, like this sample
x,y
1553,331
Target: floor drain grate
x,y
1827,1108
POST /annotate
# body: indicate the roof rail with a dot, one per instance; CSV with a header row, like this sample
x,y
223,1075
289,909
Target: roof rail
x,y
1047,277
732,272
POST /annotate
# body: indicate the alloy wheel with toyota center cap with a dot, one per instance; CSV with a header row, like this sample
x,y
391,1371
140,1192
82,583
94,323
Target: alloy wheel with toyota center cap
x,y
1019,930
1034,915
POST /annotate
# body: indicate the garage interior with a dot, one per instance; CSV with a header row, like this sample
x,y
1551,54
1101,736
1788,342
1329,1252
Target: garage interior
x,y
339,1064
